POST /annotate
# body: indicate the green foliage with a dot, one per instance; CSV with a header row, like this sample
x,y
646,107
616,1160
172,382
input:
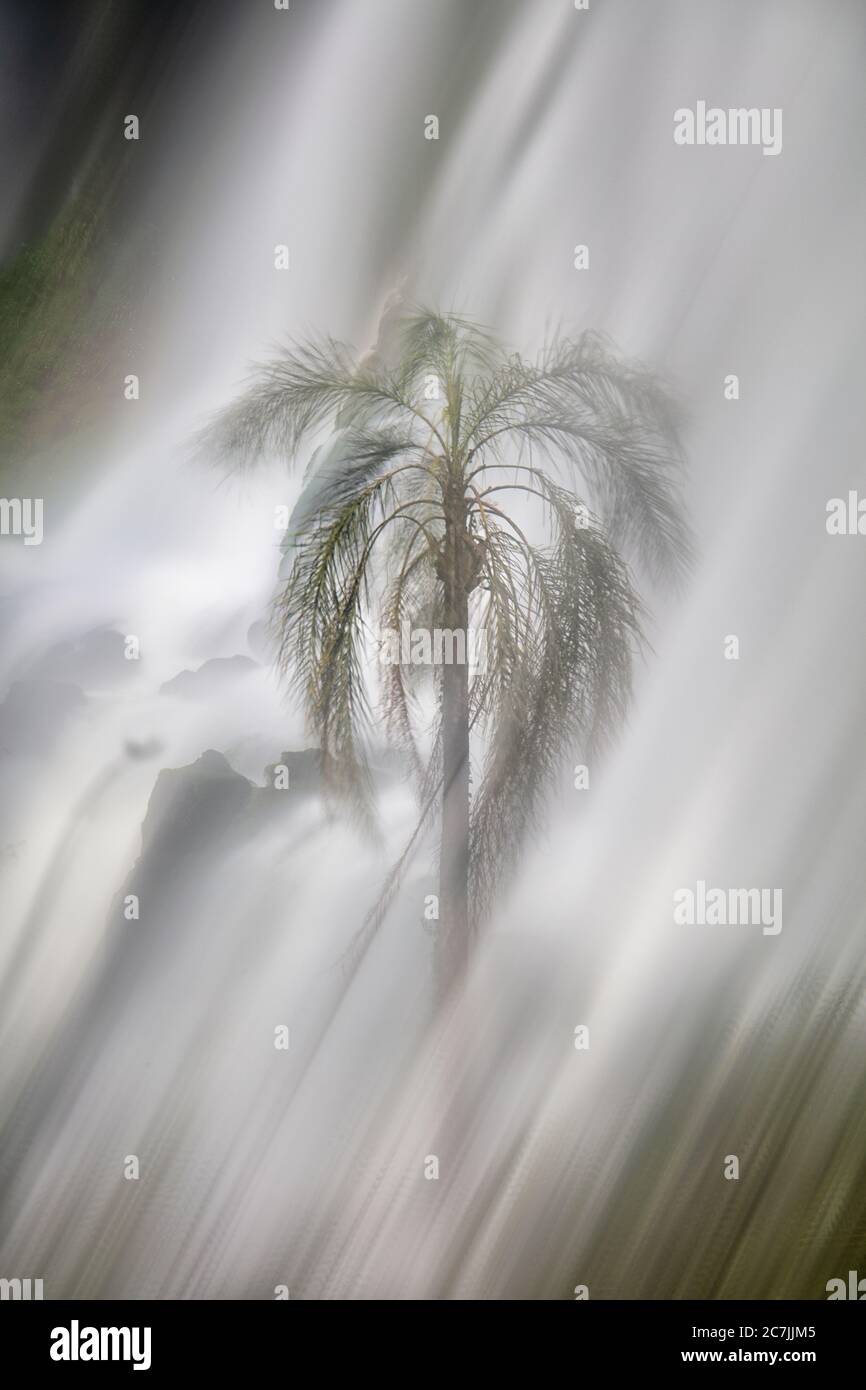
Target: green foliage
x,y
59,320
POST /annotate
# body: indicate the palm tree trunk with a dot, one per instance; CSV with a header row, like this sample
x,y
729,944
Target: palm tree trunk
x,y
455,1100
454,859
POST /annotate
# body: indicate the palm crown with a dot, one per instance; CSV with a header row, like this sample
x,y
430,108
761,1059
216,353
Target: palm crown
x,y
464,487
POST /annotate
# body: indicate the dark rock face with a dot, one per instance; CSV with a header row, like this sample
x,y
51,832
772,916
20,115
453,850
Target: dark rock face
x,y
35,713
200,813
190,807
197,816
210,679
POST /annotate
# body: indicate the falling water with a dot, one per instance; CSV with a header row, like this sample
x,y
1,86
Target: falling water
x,y
153,1036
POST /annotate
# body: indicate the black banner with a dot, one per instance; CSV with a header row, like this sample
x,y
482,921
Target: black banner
x,y
221,1338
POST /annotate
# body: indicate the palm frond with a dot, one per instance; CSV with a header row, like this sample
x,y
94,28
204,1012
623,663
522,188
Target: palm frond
x,y
367,545
303,387
320,618
567,678
611,421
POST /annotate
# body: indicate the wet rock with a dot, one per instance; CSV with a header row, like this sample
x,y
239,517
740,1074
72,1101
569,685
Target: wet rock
x,y
191,807
210,679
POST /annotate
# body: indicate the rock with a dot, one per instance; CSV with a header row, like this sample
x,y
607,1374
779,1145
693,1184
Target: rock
x,y
209,679
191,807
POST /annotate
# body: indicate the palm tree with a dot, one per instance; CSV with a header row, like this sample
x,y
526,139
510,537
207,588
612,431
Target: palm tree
x,y
464,489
